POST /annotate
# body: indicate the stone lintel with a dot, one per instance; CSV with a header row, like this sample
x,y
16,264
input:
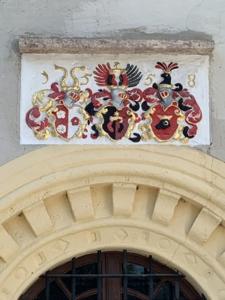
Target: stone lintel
x,y
114,46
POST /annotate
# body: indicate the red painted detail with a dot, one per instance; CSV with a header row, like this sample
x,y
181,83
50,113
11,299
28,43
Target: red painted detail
x,y
75,96
166,68
158,113
97,98
94,136
151,95
61,123
32,119
117,128
192,116
89,92
57,94
101,74
124,79
138,119
135,94
75,121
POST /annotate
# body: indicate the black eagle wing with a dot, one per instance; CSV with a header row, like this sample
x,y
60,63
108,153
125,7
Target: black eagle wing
x,y
133,74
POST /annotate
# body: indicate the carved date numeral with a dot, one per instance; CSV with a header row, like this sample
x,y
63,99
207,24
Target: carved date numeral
x,y
149,79
191,80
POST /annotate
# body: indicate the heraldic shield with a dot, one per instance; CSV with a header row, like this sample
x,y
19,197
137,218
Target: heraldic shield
x,y
172,112
164,121
118,110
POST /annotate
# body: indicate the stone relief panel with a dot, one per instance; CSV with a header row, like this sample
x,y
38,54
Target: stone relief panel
x,y
114,99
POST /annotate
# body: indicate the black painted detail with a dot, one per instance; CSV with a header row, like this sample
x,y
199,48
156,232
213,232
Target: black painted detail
x,y
133,74
166,78
163,124
145,106
116,127
135,106
182,106
109,79
155,86
179,87
121,80
90,109
185,132
94,128
136,138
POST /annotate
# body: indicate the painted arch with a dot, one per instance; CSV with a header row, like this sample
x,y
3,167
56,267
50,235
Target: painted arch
x,y
60,202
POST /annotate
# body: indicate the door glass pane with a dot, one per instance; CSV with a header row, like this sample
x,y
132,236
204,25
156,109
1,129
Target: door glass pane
x,y
85,284
55,293
166,292
82,284
139,284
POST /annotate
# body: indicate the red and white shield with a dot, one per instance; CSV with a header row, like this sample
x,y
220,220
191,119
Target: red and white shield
x,y
68,121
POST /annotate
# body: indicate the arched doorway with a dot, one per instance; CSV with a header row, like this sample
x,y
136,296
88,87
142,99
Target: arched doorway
x,y
112,276
63,202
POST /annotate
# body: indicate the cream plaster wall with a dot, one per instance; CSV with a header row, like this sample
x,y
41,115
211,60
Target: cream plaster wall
x,y
57,203
105,18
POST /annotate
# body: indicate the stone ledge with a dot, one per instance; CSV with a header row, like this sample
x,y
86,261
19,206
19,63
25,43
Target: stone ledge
x,y
115,46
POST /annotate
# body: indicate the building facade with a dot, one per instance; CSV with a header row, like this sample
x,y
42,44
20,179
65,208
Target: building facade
x,y
148,219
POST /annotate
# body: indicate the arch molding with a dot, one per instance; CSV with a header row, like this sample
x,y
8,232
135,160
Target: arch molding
x,y
61,202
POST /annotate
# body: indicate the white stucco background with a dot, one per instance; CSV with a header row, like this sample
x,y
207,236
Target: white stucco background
x,y
32,65
103,18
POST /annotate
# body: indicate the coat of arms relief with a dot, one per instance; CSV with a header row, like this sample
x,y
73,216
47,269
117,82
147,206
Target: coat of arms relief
x,y
124,104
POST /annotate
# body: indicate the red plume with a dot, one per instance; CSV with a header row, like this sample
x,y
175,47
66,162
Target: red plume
x,y
166,68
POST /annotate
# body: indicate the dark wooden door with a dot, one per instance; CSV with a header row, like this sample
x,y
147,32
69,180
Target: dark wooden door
x,y
164,285
111,286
